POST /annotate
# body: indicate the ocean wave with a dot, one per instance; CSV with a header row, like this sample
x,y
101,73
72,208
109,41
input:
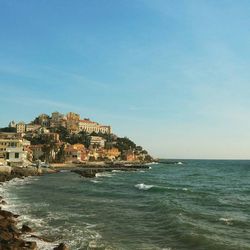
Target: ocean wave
x,y
143,186
104,174
95,181
116,171
228,221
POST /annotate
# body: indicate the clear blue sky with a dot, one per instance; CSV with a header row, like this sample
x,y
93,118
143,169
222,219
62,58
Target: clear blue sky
x,y
172,75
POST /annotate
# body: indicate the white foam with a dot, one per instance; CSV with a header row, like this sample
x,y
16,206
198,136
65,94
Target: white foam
x,y
185,189
95,181
227,221
179,163
104,174
116,171
143,186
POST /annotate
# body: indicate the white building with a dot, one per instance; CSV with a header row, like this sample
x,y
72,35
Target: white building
x,y
97,141
90,127
15,156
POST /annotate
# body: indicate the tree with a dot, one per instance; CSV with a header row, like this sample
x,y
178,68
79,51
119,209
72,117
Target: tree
x,y
8,129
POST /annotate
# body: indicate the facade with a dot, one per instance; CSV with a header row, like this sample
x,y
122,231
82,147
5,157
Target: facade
x,y
112,153
72,122
20,127
90,127
37,151
57,120
97,141
32,127
75,153
43,120
15,156
12,124
9,143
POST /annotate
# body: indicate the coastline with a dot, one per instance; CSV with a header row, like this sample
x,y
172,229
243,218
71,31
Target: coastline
x,y
17,235
14,234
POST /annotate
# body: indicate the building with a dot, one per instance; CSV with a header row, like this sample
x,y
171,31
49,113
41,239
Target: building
x,y
32,127
37,151
12,124
20,127
130,156
90,127
43,120
13,149
97,141
72,122
7,143
57,120
113,153
75,153
15,156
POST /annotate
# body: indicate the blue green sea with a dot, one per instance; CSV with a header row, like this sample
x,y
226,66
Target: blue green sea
x,y
200,204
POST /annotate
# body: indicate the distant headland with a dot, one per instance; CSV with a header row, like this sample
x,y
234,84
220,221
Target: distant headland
x,y
65,139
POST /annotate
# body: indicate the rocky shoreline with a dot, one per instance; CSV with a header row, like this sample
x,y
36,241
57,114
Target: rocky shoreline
x,y
12,236
88,171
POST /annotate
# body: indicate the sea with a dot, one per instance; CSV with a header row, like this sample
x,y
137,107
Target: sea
x,y
196,204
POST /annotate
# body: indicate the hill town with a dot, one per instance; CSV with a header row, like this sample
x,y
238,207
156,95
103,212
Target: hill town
x,y
65,139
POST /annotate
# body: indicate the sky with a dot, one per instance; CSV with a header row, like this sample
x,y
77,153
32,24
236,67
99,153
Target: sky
x,y
174,76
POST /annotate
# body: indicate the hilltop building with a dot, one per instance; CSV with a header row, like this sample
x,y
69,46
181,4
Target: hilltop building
x,y
72,122
20,127
12,124
90,127
57,120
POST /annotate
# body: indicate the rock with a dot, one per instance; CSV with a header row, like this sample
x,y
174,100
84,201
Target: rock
x,y
26,229
29,245
62,246
3,202
8,214
5,236
13,229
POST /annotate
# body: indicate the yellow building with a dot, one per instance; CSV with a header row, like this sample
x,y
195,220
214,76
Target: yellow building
x,y
90,127
72,122
20,127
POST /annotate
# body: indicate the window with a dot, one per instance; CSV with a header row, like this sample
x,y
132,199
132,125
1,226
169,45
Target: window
x,y
16,155
7,156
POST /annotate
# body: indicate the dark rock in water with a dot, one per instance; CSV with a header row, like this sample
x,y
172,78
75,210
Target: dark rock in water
x,y
7,214
3,202
31,245
26,229
62,246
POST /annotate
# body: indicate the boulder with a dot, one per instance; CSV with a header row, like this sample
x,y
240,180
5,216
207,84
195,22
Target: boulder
x,y
5,236
62,246
8,214
3,202
26,229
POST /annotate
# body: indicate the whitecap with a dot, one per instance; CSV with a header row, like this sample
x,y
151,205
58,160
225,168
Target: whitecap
x,y
104,174
95,181
116,171
185,189
143,186
227,221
